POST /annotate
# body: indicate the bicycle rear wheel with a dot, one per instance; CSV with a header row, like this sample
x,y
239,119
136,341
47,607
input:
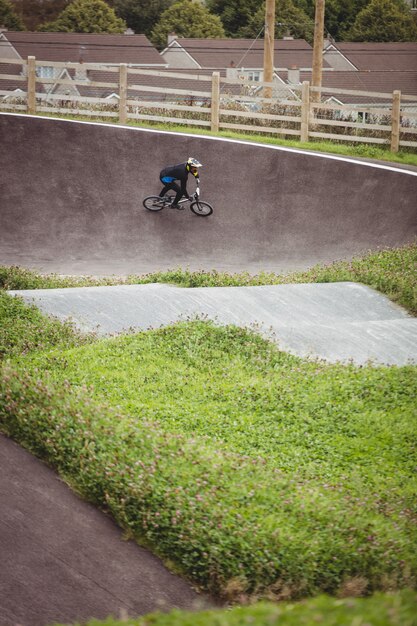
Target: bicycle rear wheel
x,y
203,209
154,203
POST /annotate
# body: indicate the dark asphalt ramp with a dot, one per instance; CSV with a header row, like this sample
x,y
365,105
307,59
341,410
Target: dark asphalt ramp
x,y
71,202
64,561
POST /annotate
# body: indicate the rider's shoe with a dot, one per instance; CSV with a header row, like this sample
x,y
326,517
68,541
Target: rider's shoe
x,y
177,206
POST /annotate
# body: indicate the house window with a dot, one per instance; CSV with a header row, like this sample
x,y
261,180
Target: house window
x,y
45,71
253,76
363,117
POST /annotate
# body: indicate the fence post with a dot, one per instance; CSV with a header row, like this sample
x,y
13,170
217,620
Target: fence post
x,y
395,121
123,93
215,101
31,86
305,110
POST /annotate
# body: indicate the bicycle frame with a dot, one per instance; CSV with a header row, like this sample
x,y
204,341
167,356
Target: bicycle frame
x,y
197,206
194,197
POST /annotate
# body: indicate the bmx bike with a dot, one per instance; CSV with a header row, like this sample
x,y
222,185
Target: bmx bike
x,y
197,206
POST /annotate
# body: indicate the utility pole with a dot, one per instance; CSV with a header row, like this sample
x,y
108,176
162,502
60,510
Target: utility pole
x,y
318,49
269,38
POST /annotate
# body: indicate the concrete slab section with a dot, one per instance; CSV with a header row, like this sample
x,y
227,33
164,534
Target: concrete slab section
x,y
334,321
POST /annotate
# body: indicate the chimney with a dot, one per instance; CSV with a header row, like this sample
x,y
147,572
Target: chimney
x,y
129,31
231,71
172,37
80,71
294,75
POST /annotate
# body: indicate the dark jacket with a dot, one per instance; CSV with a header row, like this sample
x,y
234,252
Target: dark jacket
x,y
176,172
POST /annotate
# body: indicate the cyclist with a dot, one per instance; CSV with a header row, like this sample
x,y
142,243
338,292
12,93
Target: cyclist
x,y
180,172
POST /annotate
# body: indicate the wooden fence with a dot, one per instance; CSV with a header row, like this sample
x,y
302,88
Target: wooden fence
x,y
211,101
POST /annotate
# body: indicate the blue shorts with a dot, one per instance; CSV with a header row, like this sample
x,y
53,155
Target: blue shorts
x,y
167,179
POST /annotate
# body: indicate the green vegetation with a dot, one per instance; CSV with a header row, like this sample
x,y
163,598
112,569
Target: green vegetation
x,y
8,16
237,17
339,15
86,16
384,20
289,19
393,20
186,19
379,610
140,15
253,473
390,271
24,329
345,149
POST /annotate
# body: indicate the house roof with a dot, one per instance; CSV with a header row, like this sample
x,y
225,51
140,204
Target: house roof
x,y
247,53
88,47
380,56
9,84
158,82
378,82
145,80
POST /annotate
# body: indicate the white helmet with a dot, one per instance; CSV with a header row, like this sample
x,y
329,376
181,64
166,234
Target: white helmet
x,y
193,163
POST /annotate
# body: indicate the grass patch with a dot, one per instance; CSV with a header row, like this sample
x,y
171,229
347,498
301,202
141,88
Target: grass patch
x,y
390,271
254,473
380,610
24,329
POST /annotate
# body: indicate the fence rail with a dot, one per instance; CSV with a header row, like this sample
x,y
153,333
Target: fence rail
x,y
209,100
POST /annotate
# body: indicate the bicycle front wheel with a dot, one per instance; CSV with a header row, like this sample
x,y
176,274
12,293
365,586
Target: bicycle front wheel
x,y
153,203
203,209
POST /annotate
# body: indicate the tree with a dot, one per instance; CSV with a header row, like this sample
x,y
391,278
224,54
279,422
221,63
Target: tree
x,y
86,16
8,16
234,14
308,6
289,20
340,16
186,19
140,15
33,13
384,20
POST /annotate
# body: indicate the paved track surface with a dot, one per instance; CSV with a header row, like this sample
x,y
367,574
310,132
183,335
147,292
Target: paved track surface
x,y
335,322
63,561
71,202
